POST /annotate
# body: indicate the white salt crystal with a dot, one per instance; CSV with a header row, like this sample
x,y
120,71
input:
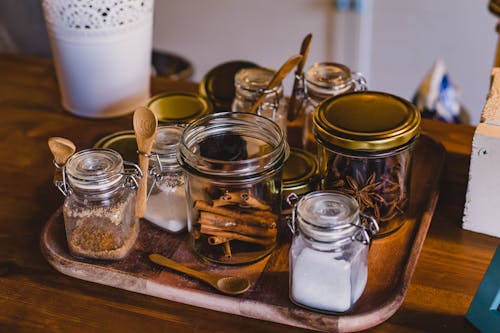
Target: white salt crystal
x,y
168,209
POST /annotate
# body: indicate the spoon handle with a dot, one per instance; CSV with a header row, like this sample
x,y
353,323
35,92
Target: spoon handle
x,y
169,263
304,51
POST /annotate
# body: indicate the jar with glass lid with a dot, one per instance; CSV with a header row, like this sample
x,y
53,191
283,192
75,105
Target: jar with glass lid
x,y
166,205
328,258
233,164
99,208
250,84
323,80
365,150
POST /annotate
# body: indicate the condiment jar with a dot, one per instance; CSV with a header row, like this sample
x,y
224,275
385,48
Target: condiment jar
x,y
323,80
233,163
250,84
328,258
300,176
99,208
365,149
166,205
179,108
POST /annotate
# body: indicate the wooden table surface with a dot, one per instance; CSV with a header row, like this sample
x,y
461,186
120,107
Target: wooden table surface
x,y
34,297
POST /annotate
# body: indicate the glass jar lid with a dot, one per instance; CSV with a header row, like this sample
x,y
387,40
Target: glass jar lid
x,y
328,216
218,84
179,108
94,169
300,173
329,78
366,120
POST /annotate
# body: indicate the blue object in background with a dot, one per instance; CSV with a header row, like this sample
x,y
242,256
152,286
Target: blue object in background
x,y
484,311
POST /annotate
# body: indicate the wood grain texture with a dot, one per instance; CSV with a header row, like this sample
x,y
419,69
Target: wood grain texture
x,y
34,297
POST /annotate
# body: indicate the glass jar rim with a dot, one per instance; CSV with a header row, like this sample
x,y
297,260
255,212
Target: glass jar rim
x,y
238,123
329,78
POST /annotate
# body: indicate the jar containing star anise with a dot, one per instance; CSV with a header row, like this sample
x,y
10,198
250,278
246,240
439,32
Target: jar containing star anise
x,y
365,150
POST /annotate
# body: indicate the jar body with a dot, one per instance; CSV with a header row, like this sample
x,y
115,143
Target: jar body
x,y
101,228
166,205
250,84
233,164
99,209
329,279
380,182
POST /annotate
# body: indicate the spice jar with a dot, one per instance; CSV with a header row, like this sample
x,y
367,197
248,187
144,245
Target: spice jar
x,y
250,84
99,208
233,163
300,176
365,149
166,205
329,252
179,108
323,80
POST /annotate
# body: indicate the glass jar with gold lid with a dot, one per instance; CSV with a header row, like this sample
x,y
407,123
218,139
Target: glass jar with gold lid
x,y
365,149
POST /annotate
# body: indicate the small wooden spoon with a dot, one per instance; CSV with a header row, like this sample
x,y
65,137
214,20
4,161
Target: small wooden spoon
x,y
145,124
278,77
230,285
62,149
304,51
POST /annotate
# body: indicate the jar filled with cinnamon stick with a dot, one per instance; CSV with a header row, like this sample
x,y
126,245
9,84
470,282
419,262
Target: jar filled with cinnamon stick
x,y
233,163
365,142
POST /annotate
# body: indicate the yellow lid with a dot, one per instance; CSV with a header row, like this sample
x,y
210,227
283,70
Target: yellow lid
x,y
179,108
366,120
300,173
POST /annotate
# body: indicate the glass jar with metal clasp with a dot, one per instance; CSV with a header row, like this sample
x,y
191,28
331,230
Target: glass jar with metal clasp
x,y
166,205
320,81
328,258
99,208
250,84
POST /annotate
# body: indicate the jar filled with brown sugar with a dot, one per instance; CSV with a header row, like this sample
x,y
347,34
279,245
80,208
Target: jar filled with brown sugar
x,y
99,209
233,166
365,142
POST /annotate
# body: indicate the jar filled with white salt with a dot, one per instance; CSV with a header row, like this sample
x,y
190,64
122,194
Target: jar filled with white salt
x,y
166,206
329,252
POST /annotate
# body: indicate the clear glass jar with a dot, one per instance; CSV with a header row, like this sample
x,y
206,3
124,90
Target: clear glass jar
x,y
250,84
323,80
166,205
99,209
233,165
365,149
329,252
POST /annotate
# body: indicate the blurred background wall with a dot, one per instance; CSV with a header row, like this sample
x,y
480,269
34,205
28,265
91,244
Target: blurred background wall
x,y
392,42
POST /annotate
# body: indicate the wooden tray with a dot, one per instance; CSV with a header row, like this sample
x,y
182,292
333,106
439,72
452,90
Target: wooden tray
x,y
392,261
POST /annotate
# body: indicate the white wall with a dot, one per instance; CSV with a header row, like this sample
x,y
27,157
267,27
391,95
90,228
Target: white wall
x,y
405,38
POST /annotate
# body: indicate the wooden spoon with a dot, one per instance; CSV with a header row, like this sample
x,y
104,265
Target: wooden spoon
x,y
304,51
230,285
145,123
277,79
62,149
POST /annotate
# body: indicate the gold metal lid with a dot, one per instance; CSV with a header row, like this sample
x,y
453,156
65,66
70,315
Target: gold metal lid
x,y
300,173
217,84
123,142
179,108
366,120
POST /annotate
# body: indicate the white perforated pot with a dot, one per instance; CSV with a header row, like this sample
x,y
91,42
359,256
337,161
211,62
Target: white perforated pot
x,y
102,54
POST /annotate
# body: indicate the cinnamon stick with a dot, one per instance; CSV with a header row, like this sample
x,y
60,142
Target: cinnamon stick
x,y
230,224
214,231
265,221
